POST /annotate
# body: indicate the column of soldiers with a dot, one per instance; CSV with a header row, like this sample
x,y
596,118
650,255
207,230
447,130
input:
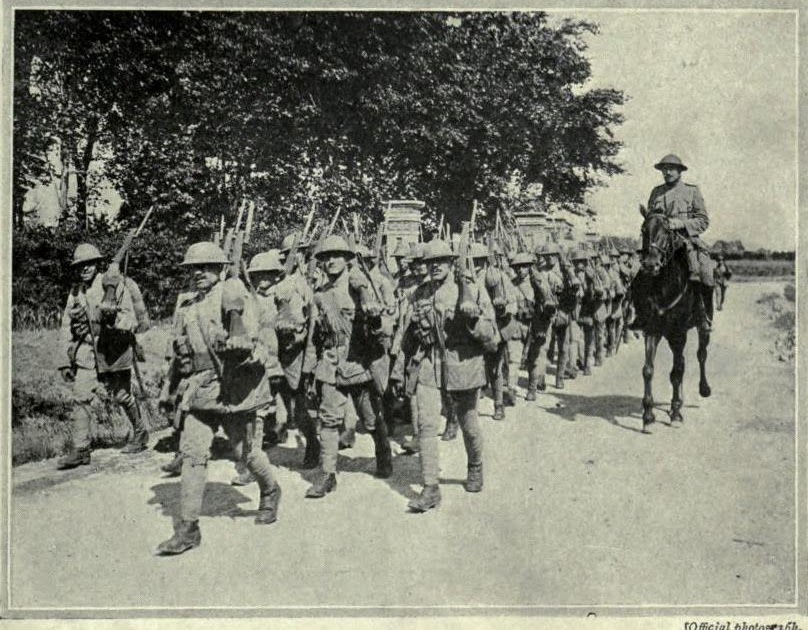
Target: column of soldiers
x,y
323,338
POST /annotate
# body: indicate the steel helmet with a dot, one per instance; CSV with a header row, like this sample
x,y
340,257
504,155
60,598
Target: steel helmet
x,y
266,261
670,160
605,259
550,249
204,253
579,254
85,253
416,251
363,250
402,250
522,258
478,250
614,252
334,244
289,240
435,250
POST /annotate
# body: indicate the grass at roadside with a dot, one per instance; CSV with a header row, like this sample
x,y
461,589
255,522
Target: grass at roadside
x,y
780,310
41,401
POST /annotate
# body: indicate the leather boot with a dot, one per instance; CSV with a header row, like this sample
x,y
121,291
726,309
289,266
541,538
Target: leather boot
x,y
174,467
384,456
509,397
268,506
450,433
76,457
324,484
347,439
186,536
138,443
530,395
474,480
499,412
559,381
541,385
312,457
410,445
428,499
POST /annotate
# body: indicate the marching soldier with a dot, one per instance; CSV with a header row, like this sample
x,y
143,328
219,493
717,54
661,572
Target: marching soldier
x,y
614,321
492,280
401,254
567,310
593,307
722,275
527,345
547,284
628,270
224,384
99,344
604,311
342,346
684,207
442,351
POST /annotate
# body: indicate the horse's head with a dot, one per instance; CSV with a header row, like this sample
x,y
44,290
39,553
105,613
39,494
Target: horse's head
x,y
659,243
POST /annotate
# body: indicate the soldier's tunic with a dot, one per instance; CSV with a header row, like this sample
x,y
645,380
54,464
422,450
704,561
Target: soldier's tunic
x,y
339,354
684,202
103,359
593,310
535,310
210,401
722,275
442,351
568,306
500,289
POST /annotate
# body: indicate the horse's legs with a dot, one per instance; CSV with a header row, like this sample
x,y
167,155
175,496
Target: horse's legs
x,y
677,344
651,344
701,354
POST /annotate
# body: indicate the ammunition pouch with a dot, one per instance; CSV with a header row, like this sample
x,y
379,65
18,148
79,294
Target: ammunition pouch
x,y
423,327
185,361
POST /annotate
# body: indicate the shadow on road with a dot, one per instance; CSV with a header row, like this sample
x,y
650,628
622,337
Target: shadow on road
x,y
609,408
220,499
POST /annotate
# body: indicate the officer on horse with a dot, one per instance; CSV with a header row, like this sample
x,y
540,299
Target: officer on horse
x,y
683,206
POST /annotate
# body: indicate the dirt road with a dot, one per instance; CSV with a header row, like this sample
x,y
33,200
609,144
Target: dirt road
x,y
579,507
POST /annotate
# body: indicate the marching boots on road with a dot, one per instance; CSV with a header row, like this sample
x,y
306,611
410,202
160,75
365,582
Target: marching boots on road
x,y
343,344
448,325
98,328
218,356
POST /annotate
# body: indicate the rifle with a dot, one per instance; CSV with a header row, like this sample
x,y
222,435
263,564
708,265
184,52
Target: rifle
x,y
364,269
291,257
473,221
466,274
440,226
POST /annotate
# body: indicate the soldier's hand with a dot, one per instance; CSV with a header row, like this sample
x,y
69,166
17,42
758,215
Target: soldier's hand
x,y
470,310
79,328
372,310
676,224
68,373
239,345
107,314
165,405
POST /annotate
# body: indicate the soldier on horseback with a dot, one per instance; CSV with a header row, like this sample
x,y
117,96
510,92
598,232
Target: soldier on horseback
x,y
683,206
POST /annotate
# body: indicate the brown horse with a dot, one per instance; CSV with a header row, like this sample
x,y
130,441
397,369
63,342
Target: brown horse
x,y
668,306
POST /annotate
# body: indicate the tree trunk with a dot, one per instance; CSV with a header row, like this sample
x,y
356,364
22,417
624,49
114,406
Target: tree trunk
x,y
82,161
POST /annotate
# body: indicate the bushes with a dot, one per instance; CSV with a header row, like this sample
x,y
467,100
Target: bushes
x,y
42,275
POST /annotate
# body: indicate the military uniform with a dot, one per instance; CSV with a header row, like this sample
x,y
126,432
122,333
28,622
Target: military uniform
x,y
614,322
684,206
722,275
342,347
99,346
225,383
442,351
593,308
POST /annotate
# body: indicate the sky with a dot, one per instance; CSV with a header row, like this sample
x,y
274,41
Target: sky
x,y
718,89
